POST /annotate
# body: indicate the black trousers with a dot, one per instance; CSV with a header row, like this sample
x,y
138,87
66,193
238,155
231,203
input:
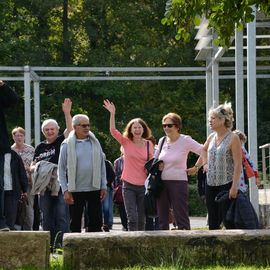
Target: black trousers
x,y
10,209
216,211
93,211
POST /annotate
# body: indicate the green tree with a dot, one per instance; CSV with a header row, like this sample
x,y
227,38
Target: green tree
x,y
223,16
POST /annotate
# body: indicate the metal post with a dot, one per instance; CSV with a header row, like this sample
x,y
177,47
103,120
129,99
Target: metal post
x,y
251,89
239,81
27,104
252,107
209,98
215,74
264,167
37,112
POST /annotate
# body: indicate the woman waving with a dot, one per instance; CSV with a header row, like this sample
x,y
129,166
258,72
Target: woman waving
x,y
134,141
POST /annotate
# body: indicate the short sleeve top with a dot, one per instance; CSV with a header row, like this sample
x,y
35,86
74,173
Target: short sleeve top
x,y
49,151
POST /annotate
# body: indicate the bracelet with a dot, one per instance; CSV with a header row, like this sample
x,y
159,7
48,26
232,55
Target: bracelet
x,y
196,166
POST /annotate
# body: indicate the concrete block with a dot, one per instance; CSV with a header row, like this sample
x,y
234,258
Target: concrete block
x,y
193,248
24,248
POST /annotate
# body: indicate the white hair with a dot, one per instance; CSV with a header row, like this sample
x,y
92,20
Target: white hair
x,y
48,121
76,118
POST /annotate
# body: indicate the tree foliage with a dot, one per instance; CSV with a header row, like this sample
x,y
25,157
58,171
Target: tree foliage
x,y
111,33
223,16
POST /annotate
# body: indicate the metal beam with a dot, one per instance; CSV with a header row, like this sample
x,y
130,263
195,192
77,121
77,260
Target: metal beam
x,y
117,69
252,105
27,104
239,81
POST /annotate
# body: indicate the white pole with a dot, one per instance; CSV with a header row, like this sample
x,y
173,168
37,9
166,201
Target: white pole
x,y
37,112
27,104
252,105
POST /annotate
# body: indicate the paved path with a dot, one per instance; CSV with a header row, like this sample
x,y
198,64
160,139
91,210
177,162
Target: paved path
x,y
195,222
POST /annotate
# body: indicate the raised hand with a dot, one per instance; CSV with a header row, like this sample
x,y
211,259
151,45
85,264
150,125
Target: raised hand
x,y
66,106
109,106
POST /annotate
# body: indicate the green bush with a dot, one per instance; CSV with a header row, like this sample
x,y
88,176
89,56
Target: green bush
x,y
196,205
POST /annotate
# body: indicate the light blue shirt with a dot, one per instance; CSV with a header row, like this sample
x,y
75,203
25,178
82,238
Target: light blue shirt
x,y
84,167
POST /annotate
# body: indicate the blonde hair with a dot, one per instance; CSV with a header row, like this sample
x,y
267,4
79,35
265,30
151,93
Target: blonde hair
x,y
18,129
242,136
224,111
146,130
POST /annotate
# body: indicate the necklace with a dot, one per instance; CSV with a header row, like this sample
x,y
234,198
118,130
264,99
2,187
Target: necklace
x,y
219,140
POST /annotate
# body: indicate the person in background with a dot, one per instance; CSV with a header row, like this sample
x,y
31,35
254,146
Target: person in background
x,y
201,182
107,204
174,155
54,209
82,175
243,183
221,158
8,98
118,168
26,152
134,142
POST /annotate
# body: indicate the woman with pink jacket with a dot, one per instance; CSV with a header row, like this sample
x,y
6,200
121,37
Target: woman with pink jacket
x,y
174,155
134,141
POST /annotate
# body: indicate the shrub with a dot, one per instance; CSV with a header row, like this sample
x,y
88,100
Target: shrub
x,y
196,205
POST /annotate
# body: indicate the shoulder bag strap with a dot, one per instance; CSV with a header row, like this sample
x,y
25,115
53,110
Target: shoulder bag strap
x,y
147,150
163,140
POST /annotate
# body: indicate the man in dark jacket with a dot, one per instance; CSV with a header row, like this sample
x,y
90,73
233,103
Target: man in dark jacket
x,y
8,98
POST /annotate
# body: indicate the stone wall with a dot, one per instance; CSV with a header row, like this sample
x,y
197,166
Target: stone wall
x,y
21,248
193,248
264,208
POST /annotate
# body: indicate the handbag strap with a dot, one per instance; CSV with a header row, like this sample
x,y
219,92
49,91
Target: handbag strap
x,y
244,160
160,148
147,150
163,140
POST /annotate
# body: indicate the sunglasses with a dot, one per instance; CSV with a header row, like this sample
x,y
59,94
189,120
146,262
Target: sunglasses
x,y
84,125
168,125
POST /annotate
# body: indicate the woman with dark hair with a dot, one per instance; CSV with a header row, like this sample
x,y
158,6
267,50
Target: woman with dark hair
x,y
134,141
174,155
221,156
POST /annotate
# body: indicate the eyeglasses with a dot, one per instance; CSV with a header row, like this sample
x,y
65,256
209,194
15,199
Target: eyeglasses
x,y
168,125
84,125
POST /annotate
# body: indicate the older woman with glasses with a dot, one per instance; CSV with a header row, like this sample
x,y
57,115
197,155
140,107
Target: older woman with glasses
x,y
174,154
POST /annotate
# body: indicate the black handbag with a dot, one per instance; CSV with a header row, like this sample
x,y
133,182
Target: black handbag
x,y
155,184
150,205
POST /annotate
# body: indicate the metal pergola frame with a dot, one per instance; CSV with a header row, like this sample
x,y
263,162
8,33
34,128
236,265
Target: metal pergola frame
x,y
213,56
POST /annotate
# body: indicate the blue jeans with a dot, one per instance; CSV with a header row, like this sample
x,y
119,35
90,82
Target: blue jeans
x,y
107,208
55,217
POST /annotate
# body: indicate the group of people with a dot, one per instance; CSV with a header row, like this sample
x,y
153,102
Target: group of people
x,y
70,174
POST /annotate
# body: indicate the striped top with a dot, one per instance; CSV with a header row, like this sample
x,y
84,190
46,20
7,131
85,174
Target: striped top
x,y
220,162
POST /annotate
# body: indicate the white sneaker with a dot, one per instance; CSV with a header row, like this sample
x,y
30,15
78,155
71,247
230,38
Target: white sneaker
x,y
5,229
